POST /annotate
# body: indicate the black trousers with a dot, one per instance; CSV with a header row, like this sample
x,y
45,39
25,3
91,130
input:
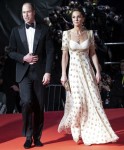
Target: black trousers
x,y
32,101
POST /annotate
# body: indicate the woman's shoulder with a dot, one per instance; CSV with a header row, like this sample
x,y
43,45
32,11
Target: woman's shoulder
x,y
89,30
66,31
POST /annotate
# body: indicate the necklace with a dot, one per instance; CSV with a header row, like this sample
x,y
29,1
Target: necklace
x,y
78,37
78,34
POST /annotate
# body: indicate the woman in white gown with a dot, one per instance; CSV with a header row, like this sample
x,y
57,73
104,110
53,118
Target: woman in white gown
x,y
84,116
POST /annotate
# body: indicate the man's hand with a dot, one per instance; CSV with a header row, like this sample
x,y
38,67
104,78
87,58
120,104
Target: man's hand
x,y
29,58
46,79
15,88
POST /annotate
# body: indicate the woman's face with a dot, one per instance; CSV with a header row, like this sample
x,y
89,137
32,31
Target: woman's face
x,y
77,19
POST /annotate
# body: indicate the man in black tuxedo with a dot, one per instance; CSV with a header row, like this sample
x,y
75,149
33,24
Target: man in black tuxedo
x,y
32,48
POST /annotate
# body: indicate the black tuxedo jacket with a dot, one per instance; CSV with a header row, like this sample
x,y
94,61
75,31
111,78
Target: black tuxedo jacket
x,y
43,47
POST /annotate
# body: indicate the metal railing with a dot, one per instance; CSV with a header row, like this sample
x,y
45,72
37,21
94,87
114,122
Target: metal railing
x,y
115,43
110,44
55,97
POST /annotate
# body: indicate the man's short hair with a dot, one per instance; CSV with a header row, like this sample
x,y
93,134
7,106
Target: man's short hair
x,y
31,4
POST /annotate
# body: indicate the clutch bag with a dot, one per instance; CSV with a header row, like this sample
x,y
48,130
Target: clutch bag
x,y
67,86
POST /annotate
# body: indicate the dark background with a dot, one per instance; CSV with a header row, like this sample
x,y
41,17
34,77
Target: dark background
x,y
10,16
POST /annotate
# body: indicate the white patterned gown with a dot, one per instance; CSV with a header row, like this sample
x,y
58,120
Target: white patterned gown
x,y
84,116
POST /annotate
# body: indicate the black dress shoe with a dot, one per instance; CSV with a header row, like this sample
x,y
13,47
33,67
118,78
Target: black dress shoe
x,y
27,144
38,143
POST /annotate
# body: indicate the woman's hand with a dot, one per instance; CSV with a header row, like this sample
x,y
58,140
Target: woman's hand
x,y
63,79
98,77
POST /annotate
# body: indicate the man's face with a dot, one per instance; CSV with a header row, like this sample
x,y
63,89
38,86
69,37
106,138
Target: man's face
x,y
28,13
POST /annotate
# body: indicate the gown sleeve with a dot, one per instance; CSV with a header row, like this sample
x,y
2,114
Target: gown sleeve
x,y
92,41
65,45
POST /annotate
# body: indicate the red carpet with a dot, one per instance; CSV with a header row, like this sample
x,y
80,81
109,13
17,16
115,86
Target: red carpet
x,y
11,139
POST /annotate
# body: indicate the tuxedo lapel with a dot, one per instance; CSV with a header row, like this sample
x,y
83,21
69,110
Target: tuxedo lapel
x,y
23,37
36,38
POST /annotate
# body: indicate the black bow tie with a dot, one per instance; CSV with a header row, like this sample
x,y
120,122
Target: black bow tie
x,y
29,25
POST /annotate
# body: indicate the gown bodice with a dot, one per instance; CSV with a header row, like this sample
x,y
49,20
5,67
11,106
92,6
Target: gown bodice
x,y
81,46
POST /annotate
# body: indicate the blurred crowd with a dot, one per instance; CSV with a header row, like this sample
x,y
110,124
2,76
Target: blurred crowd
x,y
9,90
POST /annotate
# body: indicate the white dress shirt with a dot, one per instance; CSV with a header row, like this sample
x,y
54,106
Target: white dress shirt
x,y
30,38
